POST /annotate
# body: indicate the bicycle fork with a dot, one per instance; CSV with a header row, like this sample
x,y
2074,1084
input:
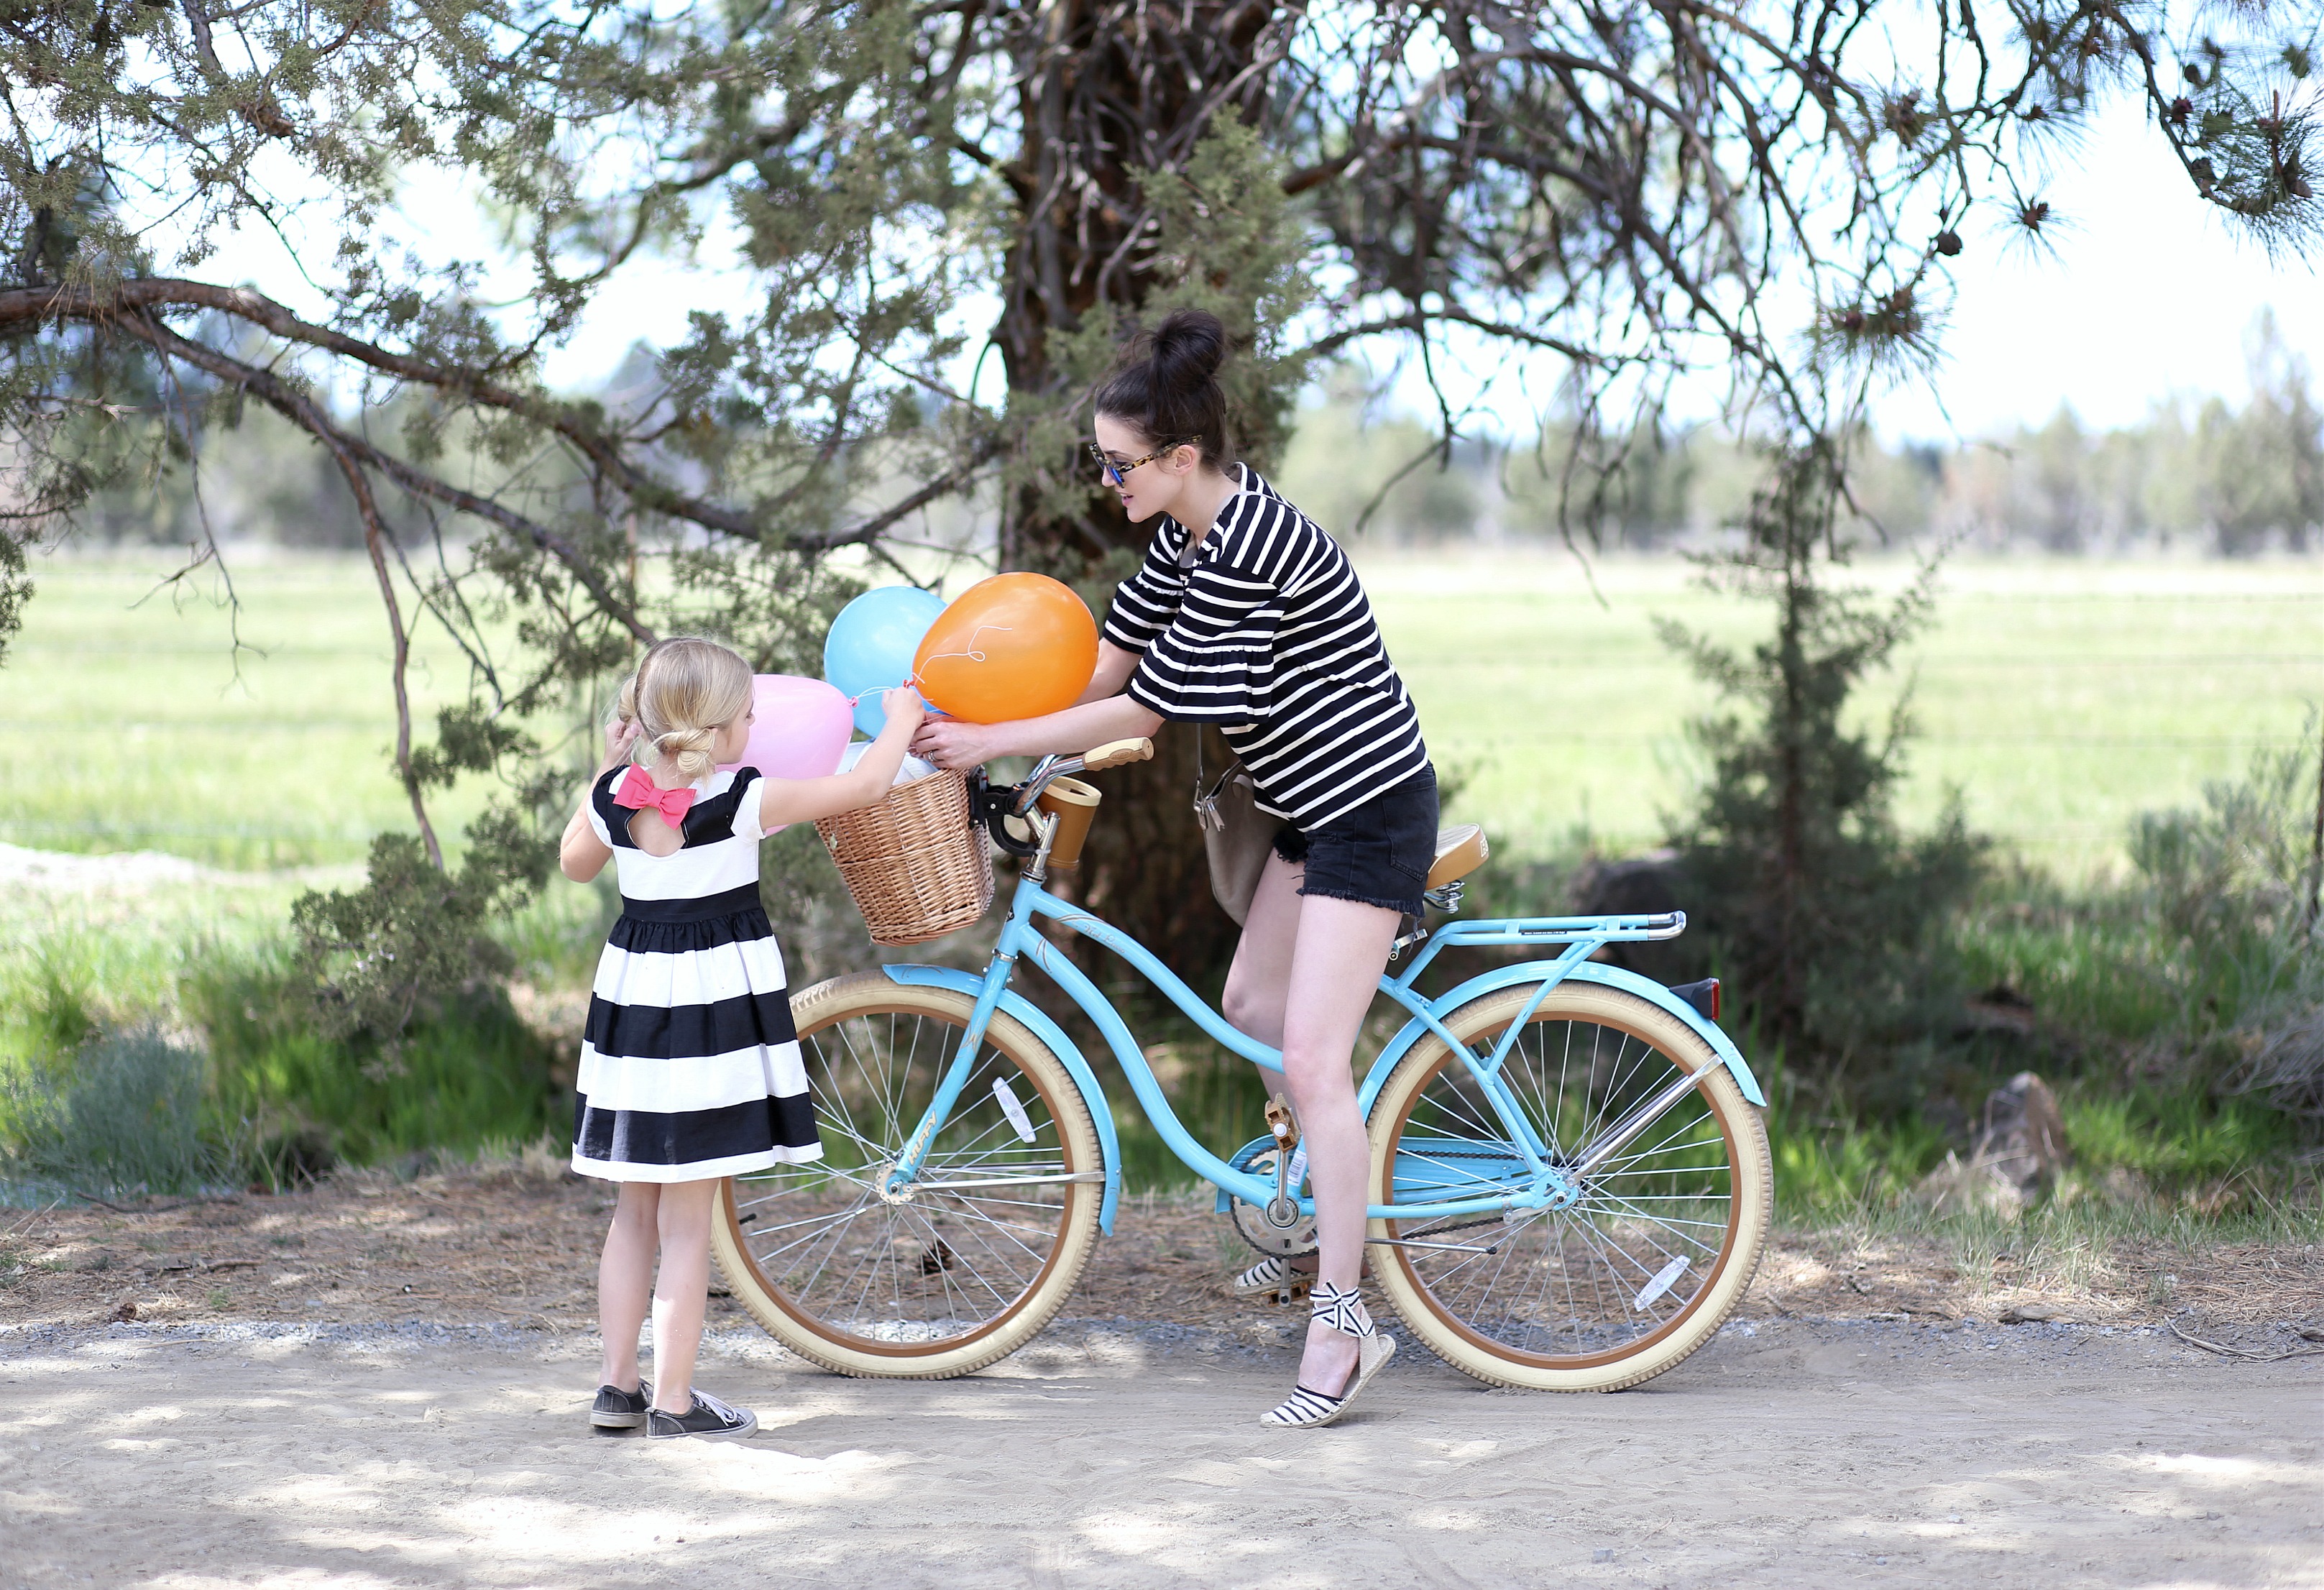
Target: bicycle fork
x,y
895,1187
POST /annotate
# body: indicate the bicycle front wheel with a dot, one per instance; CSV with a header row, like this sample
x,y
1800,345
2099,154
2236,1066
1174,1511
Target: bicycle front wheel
x,y
965,1267
1636,1274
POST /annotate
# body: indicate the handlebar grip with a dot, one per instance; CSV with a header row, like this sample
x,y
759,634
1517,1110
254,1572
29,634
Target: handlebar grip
x,y
1115,752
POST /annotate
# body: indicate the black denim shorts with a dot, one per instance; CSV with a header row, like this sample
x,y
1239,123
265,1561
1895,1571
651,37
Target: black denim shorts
x,y
1378,854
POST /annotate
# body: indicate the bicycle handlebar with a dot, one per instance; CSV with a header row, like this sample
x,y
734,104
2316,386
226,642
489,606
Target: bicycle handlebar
x,y
1117,754
1097,759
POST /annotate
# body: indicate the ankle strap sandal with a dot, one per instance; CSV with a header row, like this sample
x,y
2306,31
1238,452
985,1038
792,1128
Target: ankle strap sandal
x,y
1273,1278
1342,1309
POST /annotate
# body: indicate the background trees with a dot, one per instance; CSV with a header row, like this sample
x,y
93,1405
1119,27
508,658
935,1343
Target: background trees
x,y
1635,197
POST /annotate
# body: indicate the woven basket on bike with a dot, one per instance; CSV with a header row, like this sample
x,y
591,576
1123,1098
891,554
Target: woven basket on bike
x,y
916,862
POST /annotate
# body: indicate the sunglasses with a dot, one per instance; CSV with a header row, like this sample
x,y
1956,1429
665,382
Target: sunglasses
x,y
1113,472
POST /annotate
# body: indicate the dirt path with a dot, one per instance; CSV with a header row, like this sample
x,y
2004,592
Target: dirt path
x,y
381,1382
1788,1452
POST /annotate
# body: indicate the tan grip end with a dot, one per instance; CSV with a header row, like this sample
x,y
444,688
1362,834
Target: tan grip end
x,y
1115,752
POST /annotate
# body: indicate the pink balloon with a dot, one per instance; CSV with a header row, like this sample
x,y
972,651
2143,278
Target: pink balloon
x,y
801,728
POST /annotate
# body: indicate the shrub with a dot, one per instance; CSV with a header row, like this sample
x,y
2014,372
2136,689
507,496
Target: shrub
x,y
468,1074
124,1115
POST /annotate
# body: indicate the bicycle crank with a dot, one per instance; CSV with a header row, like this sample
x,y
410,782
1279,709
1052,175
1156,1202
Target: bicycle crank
x,y
1263,1225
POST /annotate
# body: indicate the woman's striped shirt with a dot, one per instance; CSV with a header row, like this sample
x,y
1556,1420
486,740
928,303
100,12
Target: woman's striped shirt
x,y
1264,631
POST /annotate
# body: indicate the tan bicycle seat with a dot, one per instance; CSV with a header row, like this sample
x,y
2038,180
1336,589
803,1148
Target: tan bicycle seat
x,y
1461,850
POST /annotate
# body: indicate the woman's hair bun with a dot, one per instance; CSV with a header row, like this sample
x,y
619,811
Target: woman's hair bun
x,y
1167,384
1189,347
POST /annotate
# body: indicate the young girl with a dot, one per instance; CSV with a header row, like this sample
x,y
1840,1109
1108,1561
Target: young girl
x,y
690,1071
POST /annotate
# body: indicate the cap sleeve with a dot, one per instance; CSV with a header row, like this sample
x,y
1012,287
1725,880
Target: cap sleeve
x,y
604,817
748,789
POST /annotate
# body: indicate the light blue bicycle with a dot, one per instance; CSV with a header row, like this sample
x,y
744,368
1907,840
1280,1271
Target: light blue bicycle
x,y
1571,1180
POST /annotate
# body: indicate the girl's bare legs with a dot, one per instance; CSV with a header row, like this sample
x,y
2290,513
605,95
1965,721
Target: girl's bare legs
x,y
682,1290
625,1281
1310,1001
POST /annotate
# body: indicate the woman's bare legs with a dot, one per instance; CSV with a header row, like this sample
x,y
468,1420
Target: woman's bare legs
x,y
1303,977
682,1290
625,1281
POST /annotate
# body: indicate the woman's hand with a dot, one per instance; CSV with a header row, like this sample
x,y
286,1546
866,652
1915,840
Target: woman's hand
x,y
957,746
620,736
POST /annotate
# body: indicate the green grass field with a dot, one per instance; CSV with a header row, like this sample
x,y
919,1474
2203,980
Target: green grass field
x,y
2061,695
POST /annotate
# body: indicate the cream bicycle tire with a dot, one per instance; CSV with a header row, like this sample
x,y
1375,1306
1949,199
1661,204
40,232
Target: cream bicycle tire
x,y
1022,1254
1500,1301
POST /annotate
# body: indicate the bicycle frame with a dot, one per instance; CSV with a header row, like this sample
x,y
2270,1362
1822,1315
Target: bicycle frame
x,y
1547,1186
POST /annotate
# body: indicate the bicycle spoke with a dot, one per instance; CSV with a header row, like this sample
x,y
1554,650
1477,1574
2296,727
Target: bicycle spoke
x,y
924,1265
1644,1239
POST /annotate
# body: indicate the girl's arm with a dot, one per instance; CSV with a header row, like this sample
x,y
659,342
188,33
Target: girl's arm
x,y
802,801
581,856
1103,714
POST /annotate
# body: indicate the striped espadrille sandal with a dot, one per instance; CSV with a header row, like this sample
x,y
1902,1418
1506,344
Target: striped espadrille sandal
x,y
1273,1278
1342,1309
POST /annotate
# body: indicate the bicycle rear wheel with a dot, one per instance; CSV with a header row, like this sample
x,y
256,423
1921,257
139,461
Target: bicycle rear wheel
x,y
1628,1282
953,1276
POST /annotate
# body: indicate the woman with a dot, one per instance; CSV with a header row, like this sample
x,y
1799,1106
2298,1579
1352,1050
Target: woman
x,y
1246,615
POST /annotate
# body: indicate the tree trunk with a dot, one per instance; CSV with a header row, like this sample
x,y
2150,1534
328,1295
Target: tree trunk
x,y
1106,87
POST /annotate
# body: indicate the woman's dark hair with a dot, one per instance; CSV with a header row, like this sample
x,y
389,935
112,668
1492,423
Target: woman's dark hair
x,y
1167,383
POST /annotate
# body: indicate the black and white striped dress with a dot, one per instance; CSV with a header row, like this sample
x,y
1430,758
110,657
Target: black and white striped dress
x,y
689,1064
1265,630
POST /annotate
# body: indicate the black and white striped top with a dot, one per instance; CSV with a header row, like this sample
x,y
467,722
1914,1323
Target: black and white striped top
x,y
1265,631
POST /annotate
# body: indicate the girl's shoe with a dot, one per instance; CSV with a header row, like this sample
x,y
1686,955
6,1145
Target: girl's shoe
x,y
1273,1278
708,1418
616,1410
1342,1309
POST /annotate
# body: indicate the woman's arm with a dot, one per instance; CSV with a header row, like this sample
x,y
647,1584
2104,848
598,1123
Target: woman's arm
x,y
802,801
581,856
1115,664
964,745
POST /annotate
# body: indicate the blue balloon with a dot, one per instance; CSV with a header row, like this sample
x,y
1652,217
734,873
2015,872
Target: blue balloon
x,y
871,644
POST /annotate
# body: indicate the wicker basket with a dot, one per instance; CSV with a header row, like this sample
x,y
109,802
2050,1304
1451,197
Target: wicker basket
x,y
915,863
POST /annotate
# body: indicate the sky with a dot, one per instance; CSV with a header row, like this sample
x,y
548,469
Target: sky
x,y
2146,294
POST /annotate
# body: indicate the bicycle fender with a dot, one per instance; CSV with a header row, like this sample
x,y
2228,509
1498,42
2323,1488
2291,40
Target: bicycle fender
x,y
1064,1047
1598,972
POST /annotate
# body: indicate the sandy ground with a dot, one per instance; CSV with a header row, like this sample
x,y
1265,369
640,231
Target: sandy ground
x,y
383,1382
1788,1452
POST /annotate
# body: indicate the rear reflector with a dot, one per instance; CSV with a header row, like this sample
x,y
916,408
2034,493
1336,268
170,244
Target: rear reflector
x,y
1703,996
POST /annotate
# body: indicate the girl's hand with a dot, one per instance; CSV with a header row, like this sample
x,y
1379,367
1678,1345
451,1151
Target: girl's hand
x,y
619,737
904,707
955,745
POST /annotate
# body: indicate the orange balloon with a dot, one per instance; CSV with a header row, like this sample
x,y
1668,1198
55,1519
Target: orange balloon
x,y
1017,645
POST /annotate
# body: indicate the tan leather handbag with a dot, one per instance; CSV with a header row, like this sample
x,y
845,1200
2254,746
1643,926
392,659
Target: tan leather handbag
x,y
1236,834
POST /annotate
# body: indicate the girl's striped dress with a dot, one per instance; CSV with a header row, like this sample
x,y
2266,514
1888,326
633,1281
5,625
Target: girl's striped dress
x,y
689,1065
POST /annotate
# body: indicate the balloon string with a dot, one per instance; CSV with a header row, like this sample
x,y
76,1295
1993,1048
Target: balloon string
x,y
973,654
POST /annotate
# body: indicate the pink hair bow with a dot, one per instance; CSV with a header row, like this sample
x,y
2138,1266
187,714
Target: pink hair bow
x,y
638,791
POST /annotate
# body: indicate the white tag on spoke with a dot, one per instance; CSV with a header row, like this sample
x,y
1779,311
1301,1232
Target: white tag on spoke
x,y
1012,1109
1664,1279
1298,1171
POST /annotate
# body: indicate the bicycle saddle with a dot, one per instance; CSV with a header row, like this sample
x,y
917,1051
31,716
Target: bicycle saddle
x,y
1461,850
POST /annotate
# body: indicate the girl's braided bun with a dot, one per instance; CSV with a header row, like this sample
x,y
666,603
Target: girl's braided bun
x,y
685,690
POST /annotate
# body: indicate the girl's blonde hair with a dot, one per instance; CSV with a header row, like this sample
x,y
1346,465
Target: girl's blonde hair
x,y
685,690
